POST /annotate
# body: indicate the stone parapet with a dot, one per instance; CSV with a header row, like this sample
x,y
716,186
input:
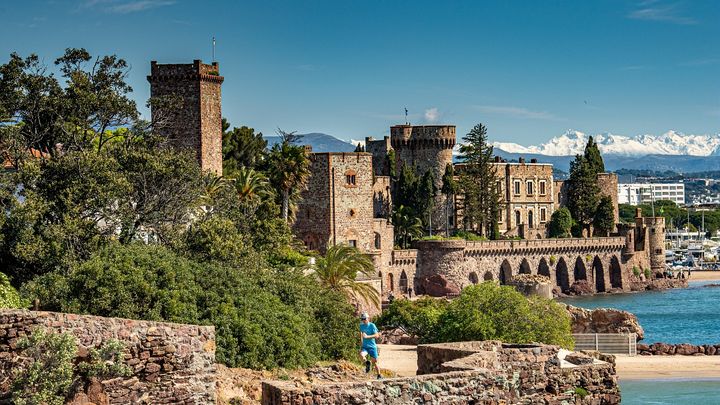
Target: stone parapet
x,y
171,363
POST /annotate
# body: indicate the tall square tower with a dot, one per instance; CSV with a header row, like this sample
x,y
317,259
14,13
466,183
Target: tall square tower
x,y
197,123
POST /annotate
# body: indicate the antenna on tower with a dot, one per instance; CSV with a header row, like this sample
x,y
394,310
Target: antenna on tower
x,y
406,120
213,49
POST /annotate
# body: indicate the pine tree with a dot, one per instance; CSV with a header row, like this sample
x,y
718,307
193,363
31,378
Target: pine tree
x,y
592,155
478,180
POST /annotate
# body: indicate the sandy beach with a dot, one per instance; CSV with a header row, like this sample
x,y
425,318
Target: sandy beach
x,y
659,367
705,275
403,361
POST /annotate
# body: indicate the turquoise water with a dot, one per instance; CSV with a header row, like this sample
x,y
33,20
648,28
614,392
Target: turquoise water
x,y
689,315
686,315
671,392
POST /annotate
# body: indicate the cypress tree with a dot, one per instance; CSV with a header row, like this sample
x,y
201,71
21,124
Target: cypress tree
x,y
584,192
481,207
449,189
592,155
604,220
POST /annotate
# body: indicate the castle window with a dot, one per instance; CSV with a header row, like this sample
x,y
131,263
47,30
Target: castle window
x,y
352,242
543,215
517,218
350,178
542,187
517,187
499,188
530,219
352,212
378,244
530,187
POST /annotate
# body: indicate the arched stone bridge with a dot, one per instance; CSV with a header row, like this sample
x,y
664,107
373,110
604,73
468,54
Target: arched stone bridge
x,y
599,261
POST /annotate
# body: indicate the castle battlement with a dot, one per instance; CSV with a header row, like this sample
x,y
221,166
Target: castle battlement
x,y
442,136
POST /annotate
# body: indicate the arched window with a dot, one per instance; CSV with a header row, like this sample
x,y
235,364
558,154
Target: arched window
x,y
378,242
350,178
473,278
517,218
403,283
391,281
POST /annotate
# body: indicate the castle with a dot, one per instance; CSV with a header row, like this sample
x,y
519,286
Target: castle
x,y
348,200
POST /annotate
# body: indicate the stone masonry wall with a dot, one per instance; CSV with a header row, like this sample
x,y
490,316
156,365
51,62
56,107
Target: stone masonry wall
x,y
475,373
171,363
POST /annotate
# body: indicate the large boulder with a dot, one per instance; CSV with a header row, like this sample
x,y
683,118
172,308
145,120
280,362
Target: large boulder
x,y
581,287
438,286
604,320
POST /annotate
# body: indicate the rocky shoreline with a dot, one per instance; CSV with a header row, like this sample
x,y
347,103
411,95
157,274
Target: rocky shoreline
x,y
680,349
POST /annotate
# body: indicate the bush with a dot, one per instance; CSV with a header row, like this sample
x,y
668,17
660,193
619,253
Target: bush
x,y
482,312
647,273
471,236
418,318
48,376
106,362
636,271
491,312
9,297
560,224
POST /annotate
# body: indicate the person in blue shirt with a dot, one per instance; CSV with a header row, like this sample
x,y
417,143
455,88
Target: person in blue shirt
x,y
368,348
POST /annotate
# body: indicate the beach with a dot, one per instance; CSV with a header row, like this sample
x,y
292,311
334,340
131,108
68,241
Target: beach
x,y
705,275
664,367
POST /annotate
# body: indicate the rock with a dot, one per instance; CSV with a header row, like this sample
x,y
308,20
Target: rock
x,y
581,287
604,320
437,286
686,349
579,358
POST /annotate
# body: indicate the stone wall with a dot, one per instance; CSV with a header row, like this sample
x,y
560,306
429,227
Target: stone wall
x,y
197,122
472,372
171,363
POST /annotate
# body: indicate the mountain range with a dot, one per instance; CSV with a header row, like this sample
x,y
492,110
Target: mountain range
x,y
672,150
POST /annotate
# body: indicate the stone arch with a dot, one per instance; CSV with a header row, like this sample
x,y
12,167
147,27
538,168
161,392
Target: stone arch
x,y
473,277
403,283
488,276
525,267
543,268
598,274
562,276
615,273
378,241
579,272
505,272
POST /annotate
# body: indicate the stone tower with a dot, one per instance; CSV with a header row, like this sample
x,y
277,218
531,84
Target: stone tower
x,y
197,122
426,147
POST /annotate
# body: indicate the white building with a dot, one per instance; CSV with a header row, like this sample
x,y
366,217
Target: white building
x,y
646,193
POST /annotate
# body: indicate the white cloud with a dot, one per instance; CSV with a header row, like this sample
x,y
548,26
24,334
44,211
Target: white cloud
x,y
654,11
126,6
517,112
432,115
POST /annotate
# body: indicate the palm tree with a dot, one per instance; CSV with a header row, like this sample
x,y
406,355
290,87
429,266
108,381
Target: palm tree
x,y
407,225
250,184
212,186
339,270
288,170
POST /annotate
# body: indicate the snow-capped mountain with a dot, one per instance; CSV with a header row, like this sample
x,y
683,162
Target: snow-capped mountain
x,y
670,143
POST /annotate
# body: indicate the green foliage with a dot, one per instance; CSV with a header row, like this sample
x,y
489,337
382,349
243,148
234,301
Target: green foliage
x,y
468,235
604,221
407,226
242,148
392,164
627,213
9,297
553,259
338,271
106,362
647,274
636,271
47,377
483,312
560,224
584,192
581,392
593,157
419,318
478,184
288,169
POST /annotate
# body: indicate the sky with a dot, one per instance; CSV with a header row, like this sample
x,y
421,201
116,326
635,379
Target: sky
x,y
528,70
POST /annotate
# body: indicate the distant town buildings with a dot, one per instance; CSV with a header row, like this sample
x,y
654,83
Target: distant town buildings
x,y
646,193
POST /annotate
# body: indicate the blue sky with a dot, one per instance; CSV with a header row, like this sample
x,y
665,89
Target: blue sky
x,y
528,70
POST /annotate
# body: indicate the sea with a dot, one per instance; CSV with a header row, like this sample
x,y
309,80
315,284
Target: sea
x,y
686,315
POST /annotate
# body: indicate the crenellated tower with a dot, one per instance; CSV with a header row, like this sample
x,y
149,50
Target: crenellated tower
x,y
426,148
197,122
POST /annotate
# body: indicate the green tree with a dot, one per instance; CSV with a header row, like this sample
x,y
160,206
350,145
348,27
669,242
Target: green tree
x,y
242,148
392,164
560,224
9,297
338,271
418,318
407,226
604,221
449,188
478,183
425,198
288,169
584,192
593,156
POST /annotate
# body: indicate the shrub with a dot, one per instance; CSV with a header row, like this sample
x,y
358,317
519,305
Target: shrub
x,y
647,273
418,318
106,362
560,224
581,392
488,311
9,297
471,236
49,374
553,259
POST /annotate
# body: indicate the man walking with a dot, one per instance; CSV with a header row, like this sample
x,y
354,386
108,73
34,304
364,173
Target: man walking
x,y
368,348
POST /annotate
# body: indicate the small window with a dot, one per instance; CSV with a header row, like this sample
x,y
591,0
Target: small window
x,y
350,179
378,242
517,187
352,242
499,187
543,215
542,188
530,187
